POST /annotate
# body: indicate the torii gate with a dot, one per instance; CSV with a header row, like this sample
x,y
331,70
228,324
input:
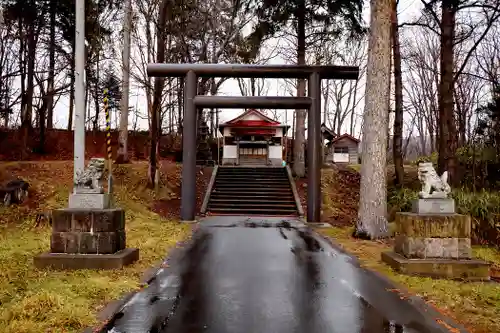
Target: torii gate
x,y
192,101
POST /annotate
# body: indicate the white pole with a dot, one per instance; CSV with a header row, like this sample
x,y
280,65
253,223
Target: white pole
x,y
79,140
123,134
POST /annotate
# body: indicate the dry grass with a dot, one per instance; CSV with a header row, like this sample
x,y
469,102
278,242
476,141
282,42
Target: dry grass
x,y
34,300
476,305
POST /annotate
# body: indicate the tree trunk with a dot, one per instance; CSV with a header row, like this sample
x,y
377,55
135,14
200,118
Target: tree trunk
x,y
72,93
26,125
88,79
353,112
372,220
22,66
42,111
326,95
213,92
180,99
388,106
123,135
52,64
97,91
97,97
300,120
397,143
447,127
157,93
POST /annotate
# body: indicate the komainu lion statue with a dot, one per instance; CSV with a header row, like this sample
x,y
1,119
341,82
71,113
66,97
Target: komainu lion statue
x,y
90,180
433,186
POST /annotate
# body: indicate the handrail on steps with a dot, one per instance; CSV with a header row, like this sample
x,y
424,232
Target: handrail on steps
x,y
210,186
294,191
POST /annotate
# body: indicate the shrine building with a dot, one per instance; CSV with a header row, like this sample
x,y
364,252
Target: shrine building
x,y
253,139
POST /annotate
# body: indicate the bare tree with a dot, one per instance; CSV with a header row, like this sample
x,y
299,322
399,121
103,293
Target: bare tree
x,y
7,69
468,93
420,55
487,61
459,22
345,95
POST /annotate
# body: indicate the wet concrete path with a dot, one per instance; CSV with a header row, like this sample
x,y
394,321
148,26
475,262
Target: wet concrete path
x,y
268,276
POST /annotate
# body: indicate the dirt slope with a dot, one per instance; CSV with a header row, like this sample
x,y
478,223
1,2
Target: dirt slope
x,y
50,182
340,193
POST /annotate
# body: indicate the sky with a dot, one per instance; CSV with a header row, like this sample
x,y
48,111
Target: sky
x,y
408,9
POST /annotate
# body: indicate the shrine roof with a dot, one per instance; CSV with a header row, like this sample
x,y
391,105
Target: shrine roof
x,y
261,121
345,136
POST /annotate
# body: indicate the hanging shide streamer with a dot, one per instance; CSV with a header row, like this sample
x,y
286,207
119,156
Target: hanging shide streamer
x,y
108,139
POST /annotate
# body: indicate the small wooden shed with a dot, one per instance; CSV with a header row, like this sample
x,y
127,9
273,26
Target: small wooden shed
x,y
340,148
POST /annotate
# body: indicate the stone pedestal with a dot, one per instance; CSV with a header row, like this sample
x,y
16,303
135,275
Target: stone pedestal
x,y
435,244
85,238
89,200
433,236
433,206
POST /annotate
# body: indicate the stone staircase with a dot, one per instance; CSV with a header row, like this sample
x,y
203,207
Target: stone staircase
x,y
253,191
253,161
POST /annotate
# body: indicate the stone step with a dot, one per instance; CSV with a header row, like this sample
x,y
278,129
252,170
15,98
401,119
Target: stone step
x,y
230,199
253,190
250,168
254,211
246,204
251,181
251,184
252,174
260,198
266,171
256,178
263,177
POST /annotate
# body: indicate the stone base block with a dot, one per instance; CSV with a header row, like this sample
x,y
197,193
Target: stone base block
x,y
87,242
470,270
88,220
88,231
433,206
65,261
422,247
89,201
433,225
